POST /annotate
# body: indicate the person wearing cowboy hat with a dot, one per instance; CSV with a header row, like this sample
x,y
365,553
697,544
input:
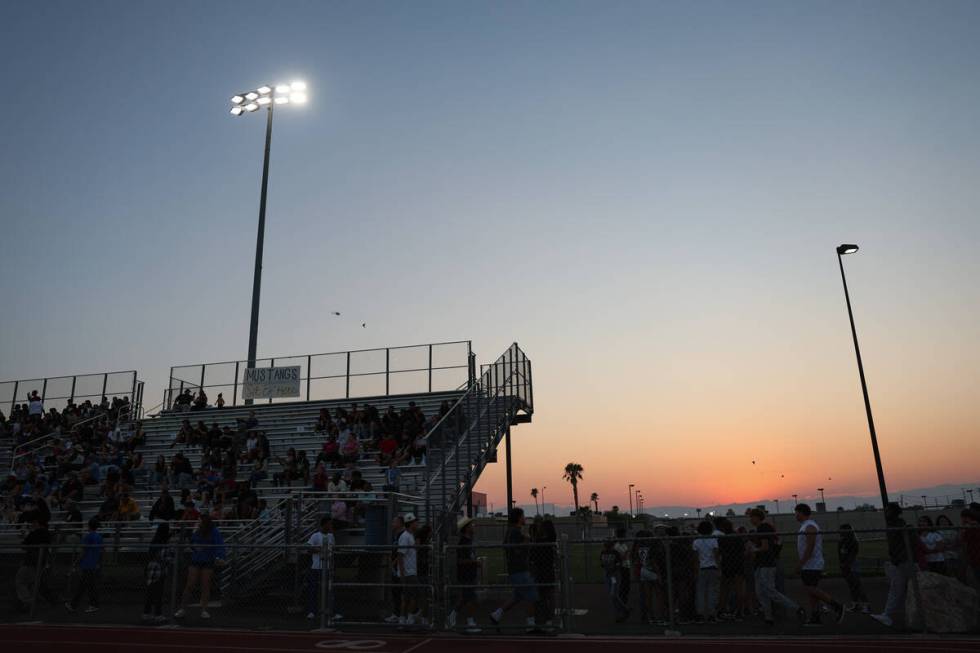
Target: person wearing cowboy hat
x,y
467,570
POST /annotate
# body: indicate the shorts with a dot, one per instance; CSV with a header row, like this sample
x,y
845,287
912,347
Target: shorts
x,y
811,577
524,587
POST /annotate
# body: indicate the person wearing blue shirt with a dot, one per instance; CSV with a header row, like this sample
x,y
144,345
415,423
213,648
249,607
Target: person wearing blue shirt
x,y
89,565
207,552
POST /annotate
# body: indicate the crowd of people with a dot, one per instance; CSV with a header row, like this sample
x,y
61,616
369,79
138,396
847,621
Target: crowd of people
x,y
60,457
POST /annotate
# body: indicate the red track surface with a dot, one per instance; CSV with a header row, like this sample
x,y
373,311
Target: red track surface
x,y
152,640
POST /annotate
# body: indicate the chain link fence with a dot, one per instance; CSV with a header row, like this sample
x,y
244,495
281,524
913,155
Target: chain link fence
x,y
647,582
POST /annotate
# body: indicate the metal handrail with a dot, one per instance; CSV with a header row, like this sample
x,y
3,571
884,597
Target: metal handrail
x,y
333,353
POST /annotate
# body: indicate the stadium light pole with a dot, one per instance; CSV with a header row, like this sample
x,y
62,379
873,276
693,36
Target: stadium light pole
x,y
242,104
842,250
543,488
629,491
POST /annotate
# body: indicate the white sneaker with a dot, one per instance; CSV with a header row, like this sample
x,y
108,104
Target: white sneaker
x,y
90,609
180,613
391,619
310,615
338,617
205,614
471,626
882,619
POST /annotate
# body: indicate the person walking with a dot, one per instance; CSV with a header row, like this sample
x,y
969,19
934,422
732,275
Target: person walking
x,y
518,571
767,548
847,556
321,541
900,566
89,565
809,547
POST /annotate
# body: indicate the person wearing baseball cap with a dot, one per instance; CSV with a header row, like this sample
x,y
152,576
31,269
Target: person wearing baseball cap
x,y
467,570
406,565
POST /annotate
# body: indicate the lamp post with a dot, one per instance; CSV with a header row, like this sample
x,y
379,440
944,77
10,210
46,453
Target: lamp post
x,y
822,500
841,251
795,500
629,491
543,508
249,102
637,503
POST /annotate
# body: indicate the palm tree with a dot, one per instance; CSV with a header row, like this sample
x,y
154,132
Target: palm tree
x,y
573,474
595,501
534,493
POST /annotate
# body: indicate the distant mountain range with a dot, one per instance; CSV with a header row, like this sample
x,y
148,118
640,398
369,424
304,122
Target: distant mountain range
x,y
940,495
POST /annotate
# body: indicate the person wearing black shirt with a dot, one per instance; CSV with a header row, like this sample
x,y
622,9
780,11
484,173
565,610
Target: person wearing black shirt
x,y
518,571
900,567
847,553
35,555
467,571
767,548
163,507
543,569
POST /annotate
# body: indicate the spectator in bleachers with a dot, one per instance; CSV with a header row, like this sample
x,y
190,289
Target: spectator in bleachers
x,y
190,511
183,401
200,400
128,510
220,401
109,510
337,483
392,477
320,478
163,508
72,513
259,472
249,423
290,469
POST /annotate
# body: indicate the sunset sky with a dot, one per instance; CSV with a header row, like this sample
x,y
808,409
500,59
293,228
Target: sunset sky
x,y
645,195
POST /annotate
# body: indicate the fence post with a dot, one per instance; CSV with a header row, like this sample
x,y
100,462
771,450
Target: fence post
x,y
326,610
347,377
430,368
105,383
309,374
670,582
567,581
38,574
387,371
914,581
44,389
272,364
71,399
174,581
234,390
13,402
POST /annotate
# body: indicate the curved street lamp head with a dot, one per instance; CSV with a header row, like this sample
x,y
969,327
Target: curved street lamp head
x,y
846,249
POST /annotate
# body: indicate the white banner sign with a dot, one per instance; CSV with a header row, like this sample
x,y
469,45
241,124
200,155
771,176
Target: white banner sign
x,y
271,382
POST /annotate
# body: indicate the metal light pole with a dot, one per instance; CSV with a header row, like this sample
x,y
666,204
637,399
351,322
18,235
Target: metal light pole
x,y
629,491
822,500
637,494
841,251
543,508
264,96
795,500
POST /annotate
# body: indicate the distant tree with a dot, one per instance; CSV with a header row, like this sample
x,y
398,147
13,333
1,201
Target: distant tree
x,y
534,495
573,474
595,501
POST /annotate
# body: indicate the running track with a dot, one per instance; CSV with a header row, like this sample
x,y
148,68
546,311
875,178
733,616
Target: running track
x,y
94,639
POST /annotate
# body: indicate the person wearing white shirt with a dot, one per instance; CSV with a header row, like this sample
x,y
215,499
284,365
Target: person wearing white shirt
x,y
933,544
709,576
809,547
406,568
321,541
34,405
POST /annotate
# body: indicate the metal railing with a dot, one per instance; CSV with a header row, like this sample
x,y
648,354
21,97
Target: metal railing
x,y
569,586
59,391
386,371
464,440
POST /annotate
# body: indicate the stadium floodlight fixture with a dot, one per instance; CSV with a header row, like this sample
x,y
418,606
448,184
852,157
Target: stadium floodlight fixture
x,y
267,96
847,249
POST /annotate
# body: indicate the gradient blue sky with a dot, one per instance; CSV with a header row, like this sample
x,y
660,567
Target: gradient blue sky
x,y
645,195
